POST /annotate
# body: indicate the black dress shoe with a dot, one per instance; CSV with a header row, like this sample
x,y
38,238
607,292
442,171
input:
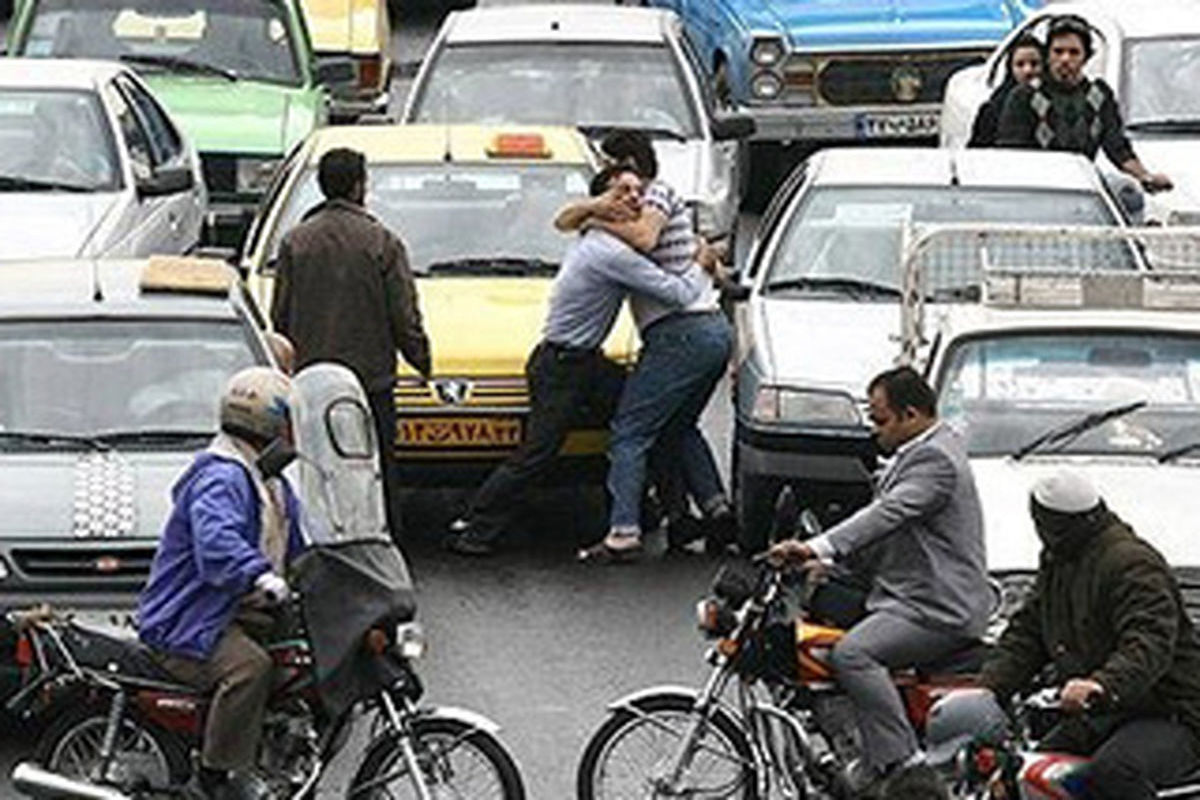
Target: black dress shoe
x,y
721,535
467,545
682,531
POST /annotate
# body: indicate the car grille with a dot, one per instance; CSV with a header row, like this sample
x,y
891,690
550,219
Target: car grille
x,y
894,79
220,172
89,562
462,392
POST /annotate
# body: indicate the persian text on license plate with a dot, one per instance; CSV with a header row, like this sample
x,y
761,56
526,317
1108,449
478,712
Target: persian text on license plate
x,y
459,432
889,126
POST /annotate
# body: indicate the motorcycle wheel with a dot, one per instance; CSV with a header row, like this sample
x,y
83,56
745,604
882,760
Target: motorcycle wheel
x,y
457,761
144,757
628,752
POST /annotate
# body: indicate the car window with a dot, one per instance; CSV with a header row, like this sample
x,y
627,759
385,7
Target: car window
x,y
56,138
87,376
137,141
164,141
492,219
1002,391
250,38
581,84
270,198
1155,69
857,232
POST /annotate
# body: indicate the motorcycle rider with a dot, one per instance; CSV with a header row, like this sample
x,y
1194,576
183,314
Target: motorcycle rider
x,y
1107,613
921,542
218,571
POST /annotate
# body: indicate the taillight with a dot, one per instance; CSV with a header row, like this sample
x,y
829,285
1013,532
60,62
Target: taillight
x,y
370,71
24,654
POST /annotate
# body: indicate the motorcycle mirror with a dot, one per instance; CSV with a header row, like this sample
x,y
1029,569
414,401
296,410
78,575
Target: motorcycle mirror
x,y
810,525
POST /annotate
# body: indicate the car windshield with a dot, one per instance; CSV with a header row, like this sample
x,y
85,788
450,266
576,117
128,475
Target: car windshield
x,y
55,140
854,233
1155,69
242,38
586,85
87,377
1005,390
491,218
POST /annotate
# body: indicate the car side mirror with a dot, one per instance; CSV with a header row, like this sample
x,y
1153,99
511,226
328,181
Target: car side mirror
x,y
732,126
166,180
335,71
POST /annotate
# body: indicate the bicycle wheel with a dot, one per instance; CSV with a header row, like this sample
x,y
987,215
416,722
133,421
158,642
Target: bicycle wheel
x,y
458,762
630,755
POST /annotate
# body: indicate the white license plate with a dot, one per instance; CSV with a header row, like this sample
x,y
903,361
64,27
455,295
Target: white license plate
x,y
897,126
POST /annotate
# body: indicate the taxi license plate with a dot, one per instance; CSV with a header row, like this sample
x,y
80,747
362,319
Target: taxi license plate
x,y
460,432
896,126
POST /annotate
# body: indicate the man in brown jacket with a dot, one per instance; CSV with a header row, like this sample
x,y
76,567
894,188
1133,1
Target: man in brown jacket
x,y
1107,613
344,292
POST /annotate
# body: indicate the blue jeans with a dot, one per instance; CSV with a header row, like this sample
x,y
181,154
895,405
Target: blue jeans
x,y
683,358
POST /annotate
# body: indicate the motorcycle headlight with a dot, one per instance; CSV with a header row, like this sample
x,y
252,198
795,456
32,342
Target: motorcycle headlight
x,y
766,86
254,174
806,406
410,640
767,52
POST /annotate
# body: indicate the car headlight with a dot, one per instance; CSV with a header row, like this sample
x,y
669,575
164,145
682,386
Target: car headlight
x,y
410,640
766,86
806,406
254,174
4,571
767,52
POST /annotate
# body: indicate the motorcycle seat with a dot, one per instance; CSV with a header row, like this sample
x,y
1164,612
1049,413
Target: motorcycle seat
x,y
121,657
966,661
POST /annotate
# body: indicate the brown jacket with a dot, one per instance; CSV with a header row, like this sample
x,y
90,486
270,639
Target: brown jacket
x,y
344,292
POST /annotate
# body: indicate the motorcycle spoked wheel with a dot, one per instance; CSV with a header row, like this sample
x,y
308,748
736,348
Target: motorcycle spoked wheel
x,y
623,756
145,757
458,761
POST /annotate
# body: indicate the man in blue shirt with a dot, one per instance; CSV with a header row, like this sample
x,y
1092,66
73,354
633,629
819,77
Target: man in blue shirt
x,y
219,570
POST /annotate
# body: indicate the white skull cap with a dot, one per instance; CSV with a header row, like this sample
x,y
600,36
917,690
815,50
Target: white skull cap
x,y
1066,490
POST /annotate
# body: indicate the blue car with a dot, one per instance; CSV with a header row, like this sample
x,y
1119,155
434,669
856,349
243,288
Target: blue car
x,y
842,70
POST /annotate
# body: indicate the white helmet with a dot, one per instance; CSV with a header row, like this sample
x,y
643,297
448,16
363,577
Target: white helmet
x,y
257,405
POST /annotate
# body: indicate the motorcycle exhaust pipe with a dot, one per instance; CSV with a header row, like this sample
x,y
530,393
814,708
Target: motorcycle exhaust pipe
x,y
33,781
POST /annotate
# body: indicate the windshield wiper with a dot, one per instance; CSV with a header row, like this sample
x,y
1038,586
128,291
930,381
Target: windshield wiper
x,y
1068,433
1178,452
601,129
495,265
179,64
16,183
1169,125
52,438
152,436
855,287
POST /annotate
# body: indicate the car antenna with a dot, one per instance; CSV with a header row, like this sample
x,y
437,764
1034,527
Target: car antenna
x,y
954,171
446,156
97,291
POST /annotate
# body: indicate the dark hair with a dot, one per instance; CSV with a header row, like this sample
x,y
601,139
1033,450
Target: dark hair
x,y
634,146
905,389
604,178
339,171
1020,43
1071,25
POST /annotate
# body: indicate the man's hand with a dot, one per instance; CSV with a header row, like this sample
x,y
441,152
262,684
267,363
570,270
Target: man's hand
x,y
1078,693
608,208
710,257
790,553
1155,182
273,588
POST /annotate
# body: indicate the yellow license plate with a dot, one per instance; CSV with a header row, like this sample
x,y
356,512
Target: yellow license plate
x,y
459,432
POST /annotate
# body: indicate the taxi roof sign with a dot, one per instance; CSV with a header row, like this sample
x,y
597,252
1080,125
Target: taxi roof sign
x,y
186,275
518,145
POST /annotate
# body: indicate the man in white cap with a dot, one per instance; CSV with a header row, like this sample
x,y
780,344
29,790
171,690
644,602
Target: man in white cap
x,y
1106,612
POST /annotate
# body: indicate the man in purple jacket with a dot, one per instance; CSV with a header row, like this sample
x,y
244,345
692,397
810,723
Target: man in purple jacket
x,y
219,569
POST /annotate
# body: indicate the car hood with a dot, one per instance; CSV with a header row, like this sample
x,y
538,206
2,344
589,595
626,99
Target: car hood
x,y
51,224
1152,498
1174,155
828,344
848,24
64,495
488,326
223,116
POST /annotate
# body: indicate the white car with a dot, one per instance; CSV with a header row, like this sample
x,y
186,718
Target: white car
x,y
1023,364
821,311
1149,53
91,165
597,68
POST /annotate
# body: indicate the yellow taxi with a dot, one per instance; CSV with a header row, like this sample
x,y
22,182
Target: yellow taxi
x,y
360,30
474,206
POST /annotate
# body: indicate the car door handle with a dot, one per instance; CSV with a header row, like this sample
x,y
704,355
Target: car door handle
x,y
173,222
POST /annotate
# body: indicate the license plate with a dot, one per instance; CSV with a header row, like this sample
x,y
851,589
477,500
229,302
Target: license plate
x,y
459,432
897,126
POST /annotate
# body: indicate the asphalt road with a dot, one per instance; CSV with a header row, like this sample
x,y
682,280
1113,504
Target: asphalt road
x,y
532,639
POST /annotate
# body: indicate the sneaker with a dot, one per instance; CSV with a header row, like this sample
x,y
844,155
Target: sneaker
x,y
467,544
621,543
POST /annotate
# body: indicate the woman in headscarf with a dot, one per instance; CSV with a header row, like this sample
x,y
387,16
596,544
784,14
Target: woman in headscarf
x,y
1022,66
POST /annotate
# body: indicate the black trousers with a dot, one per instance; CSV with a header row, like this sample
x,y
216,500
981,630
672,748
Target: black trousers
x,y
567,387
1129,756
383,410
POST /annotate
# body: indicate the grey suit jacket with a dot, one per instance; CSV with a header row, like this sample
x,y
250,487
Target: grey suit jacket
x,y
922,538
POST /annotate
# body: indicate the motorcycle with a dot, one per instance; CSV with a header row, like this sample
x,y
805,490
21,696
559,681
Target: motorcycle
x,y
1012,768
788,730
345,652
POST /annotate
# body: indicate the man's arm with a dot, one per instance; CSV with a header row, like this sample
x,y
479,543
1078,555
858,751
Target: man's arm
x,y
404,315
642,233
1020,653
573,216
921,489
639,274
281,296
223,556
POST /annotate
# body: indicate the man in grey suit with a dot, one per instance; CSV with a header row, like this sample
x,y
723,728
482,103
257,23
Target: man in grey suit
x,y
921,541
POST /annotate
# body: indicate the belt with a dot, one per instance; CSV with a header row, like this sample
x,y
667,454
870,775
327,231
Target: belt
x,y
678,315
558,347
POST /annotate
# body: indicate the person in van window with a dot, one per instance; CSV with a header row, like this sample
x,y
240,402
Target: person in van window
x,y
1023,66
